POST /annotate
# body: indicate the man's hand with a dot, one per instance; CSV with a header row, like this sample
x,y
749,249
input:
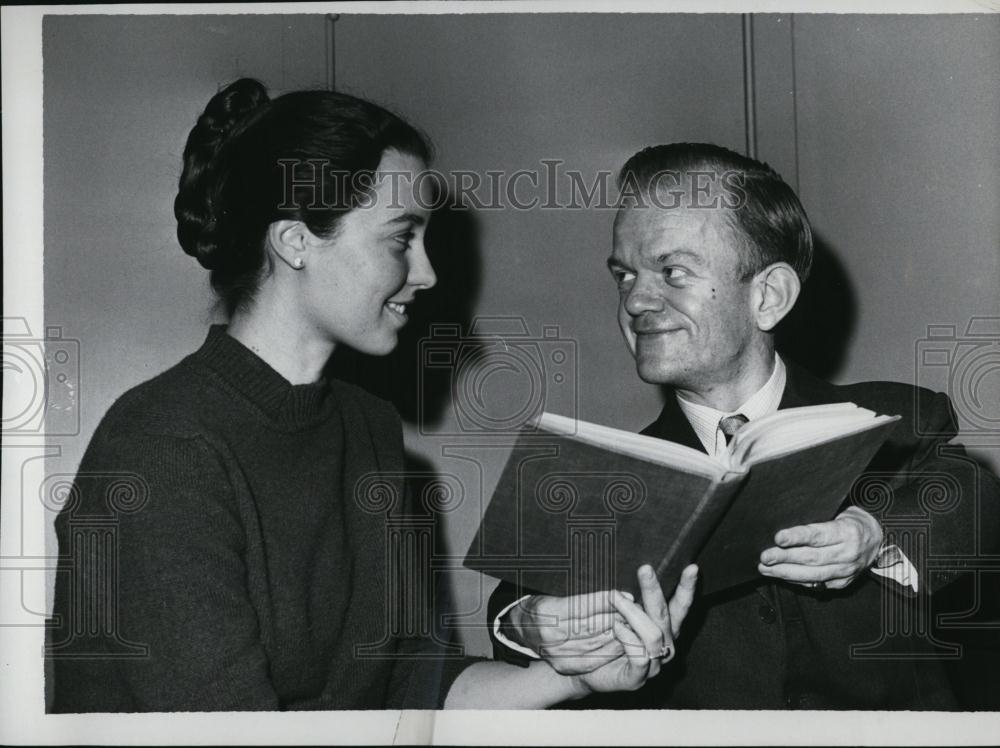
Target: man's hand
x,y
833,553
646,633
573,634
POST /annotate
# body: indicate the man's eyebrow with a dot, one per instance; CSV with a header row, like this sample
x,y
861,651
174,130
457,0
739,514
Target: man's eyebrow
x,y
678,253
415,218
615,264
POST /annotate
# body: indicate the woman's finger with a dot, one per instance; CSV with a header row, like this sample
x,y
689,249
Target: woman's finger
x,y
560,609
624,634
574,647
658,643
607,652
635,650
586,662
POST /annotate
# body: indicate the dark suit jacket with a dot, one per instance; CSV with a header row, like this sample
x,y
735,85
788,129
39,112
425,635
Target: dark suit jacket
x,y
775,645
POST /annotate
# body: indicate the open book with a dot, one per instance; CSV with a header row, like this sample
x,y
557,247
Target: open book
x,y
579,507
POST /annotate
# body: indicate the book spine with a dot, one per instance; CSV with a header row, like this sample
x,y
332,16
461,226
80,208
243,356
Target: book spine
x,y
699,526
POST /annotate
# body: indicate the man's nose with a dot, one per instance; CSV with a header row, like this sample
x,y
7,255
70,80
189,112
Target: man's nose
x,y
642,298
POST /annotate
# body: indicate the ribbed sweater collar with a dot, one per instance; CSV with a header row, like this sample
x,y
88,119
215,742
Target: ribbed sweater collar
x,y
243,370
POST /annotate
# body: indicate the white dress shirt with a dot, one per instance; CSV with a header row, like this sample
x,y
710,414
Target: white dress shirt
x,y
705,422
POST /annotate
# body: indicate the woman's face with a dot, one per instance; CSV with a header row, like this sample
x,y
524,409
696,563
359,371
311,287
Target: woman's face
x,y
358,284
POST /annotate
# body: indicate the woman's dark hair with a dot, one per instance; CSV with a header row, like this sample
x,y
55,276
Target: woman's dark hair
x,y
765,211
250,161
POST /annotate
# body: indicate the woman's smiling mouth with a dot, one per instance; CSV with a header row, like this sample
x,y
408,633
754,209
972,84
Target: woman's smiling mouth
x,y
397,308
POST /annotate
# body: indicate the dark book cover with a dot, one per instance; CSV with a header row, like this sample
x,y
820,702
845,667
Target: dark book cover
x,y
809,485
568,517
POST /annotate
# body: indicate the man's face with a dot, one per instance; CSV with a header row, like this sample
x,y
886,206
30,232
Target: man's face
x,y
684,311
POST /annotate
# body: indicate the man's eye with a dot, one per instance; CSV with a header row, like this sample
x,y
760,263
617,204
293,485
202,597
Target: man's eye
x,y
623,277
674,273
403,239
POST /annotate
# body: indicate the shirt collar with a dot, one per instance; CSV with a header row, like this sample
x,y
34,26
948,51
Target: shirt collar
x,y
705,420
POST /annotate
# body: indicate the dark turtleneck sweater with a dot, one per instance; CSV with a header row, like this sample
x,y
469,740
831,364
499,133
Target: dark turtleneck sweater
x,y
225,548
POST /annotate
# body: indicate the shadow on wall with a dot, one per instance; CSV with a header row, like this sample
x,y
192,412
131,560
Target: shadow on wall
x,y
819,328
418,392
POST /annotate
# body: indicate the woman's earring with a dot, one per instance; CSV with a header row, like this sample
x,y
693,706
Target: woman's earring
x,y
299,263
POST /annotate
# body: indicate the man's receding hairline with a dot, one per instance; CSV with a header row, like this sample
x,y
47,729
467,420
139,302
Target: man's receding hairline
x,y
745,246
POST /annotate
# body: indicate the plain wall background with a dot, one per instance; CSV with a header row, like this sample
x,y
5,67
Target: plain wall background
x,y
899,143
121,94
889,126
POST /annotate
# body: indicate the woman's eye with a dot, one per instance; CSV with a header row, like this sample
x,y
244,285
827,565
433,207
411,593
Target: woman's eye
x,y
404,239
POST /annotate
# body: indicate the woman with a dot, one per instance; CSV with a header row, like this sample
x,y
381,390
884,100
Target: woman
x,y
250,572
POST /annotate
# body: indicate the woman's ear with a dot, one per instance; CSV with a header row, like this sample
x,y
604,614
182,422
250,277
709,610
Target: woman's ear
x,y
776,288
289,240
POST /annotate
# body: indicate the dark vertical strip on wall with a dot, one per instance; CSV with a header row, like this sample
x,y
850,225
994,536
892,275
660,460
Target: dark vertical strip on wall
x,y
331,49
749,103
795,104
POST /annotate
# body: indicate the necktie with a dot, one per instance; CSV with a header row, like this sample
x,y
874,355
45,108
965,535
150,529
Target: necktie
x,y
731,424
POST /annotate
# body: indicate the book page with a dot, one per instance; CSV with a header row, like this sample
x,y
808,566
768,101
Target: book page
x,y
793,429
649,448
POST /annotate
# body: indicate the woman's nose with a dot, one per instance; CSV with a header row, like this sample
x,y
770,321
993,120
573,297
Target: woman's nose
x,y
421,273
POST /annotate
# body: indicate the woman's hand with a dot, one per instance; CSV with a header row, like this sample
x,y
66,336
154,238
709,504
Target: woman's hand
x,y
647,633
574,634
646,636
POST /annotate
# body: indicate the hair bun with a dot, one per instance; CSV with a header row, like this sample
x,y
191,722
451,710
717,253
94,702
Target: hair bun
x,y
228,108
227,112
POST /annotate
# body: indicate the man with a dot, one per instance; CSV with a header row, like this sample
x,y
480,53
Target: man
x,y
710,251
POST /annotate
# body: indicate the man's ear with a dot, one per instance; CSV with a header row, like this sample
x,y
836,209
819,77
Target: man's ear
x,y
290,242
775,290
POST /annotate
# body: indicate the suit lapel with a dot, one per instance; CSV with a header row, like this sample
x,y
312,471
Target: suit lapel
x,y
673,425
802,389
